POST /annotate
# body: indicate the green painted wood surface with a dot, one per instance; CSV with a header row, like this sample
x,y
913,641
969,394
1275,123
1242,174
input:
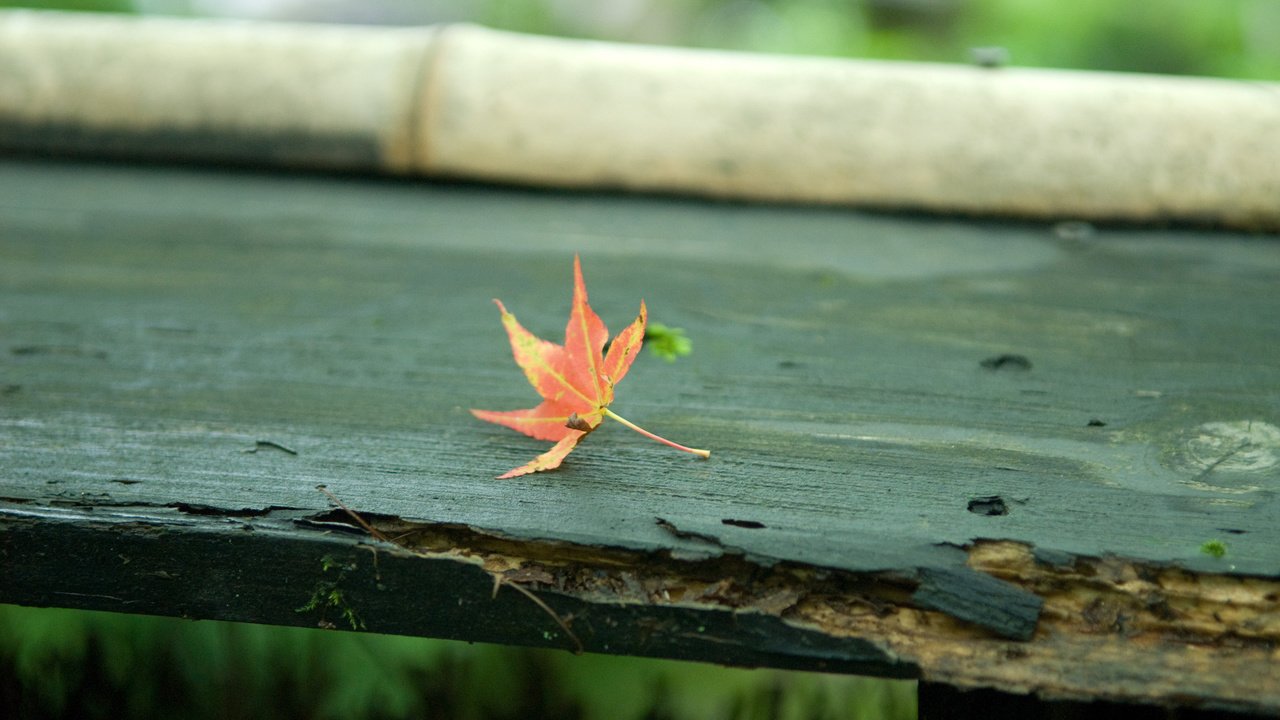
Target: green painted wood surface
x,y
156,323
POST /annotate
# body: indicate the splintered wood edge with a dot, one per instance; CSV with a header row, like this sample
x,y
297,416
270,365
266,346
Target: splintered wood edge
x,y
1108,628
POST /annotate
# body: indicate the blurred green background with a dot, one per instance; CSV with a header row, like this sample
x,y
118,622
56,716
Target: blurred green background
x,y
74,664
1221,38
60,663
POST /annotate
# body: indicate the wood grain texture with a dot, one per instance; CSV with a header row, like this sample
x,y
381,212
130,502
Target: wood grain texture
x,y
160,327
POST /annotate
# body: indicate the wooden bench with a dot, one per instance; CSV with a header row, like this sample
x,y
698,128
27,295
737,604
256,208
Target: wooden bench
x,y
1037,461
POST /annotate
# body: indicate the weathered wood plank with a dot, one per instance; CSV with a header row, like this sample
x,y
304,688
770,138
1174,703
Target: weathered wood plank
x,y
158,323
261,569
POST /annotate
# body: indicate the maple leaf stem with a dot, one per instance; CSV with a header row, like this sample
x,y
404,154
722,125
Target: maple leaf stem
x,y
700,453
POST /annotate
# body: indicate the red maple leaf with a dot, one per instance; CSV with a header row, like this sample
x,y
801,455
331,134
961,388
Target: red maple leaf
x,y
575,380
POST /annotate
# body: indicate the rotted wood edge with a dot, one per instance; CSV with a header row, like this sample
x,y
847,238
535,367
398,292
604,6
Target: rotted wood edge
x,y
287,567
1108,629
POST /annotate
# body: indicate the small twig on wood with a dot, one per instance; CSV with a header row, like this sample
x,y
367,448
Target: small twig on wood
x,y
94,595
498,580
375,532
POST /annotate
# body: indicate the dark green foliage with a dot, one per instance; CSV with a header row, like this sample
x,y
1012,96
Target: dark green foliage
x,y
64,663
1228,38
75,5
328,596
1225,38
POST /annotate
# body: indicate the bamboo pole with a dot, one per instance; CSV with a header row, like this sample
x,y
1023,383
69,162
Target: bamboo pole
x,y
470,102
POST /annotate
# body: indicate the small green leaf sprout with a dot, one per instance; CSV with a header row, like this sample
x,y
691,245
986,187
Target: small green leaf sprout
x,y
666,342
1213,548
